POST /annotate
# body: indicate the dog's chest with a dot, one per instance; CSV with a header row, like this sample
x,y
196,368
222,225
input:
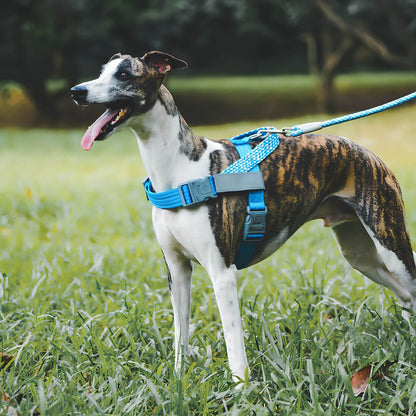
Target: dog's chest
x,y
187,231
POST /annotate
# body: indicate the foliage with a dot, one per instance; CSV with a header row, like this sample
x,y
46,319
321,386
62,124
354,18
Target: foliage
x,y
387,28
86,316
68,40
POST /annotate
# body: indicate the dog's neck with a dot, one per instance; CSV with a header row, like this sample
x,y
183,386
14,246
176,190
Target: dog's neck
x,y
166,143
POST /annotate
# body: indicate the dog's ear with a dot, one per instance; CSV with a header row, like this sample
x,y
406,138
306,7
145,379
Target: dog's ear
x,y
163,62
115,56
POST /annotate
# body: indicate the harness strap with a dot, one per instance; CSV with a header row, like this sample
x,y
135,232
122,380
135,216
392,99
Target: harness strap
x,y
255,222
200,190
243,175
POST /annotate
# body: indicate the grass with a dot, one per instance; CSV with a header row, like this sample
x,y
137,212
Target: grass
x,y
86,316
290,84
225,98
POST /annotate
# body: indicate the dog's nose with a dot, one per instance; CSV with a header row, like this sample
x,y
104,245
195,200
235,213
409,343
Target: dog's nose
x,y
79,94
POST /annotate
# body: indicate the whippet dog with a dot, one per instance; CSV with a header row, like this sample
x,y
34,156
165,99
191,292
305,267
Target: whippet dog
x,y
308,177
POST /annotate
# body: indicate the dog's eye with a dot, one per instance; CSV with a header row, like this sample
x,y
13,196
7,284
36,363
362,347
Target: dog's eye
x,y
123,75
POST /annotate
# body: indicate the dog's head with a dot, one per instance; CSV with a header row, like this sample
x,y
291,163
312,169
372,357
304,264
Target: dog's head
x,y
127,86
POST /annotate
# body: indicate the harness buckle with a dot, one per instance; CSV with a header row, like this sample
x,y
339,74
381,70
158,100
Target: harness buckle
x,y
255,225
196,191
147,186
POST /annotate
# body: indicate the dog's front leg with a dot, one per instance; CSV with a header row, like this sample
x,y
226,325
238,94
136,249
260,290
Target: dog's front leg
x,y
179,276
226,294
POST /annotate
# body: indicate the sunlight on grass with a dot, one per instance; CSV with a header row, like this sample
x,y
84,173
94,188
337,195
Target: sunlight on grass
x,y
292,84
259,84
85,309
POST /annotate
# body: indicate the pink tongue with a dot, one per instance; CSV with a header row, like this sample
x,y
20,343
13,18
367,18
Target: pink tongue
x,y
95,128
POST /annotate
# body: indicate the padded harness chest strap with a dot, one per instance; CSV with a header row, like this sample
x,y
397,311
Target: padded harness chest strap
x,y
243,175
200,190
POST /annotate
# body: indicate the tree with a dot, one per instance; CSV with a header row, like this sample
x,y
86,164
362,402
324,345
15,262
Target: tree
x,y
326,47
49,45
31,41
47,40
385,27
333,30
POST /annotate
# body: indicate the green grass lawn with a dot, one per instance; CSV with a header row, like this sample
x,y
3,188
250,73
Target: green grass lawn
x,y
288,84
85,310
224,98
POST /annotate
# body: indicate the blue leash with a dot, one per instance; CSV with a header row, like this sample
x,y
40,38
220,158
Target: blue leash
x,y
309,127
244,175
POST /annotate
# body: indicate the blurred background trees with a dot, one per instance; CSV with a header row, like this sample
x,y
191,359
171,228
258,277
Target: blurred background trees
x,y
49,45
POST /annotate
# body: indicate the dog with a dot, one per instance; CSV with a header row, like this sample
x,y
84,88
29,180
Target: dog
x,y
308,177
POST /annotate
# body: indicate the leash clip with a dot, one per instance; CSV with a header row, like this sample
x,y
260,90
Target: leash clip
x,y
285,131
263,132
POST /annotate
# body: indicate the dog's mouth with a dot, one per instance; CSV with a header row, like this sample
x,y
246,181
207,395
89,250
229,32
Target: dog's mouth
x,y
114,116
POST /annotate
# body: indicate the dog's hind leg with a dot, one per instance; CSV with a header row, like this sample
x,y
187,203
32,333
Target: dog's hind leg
x,y
179,278
366,254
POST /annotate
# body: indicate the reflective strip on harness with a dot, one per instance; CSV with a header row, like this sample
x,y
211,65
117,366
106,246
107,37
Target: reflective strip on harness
x,y
255,222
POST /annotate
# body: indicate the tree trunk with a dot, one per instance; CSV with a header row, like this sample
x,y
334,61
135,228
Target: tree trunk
x,y
323,65
326,93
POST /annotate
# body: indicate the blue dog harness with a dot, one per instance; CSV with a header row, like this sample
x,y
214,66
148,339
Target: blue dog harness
x,y
243,175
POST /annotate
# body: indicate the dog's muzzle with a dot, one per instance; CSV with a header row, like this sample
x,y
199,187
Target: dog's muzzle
x,y
79,94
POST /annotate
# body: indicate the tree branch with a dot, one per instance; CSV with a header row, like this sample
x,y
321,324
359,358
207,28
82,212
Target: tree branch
x,y
369,39
334,58
312,51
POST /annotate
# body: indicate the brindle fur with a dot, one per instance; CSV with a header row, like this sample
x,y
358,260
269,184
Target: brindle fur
x,y
316,176
306,178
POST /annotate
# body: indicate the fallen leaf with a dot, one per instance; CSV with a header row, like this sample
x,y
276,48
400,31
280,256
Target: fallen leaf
x,y
4,397
359,380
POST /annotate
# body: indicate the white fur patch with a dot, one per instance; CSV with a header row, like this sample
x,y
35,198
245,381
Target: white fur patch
x,y
404,285
157,135
99,89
